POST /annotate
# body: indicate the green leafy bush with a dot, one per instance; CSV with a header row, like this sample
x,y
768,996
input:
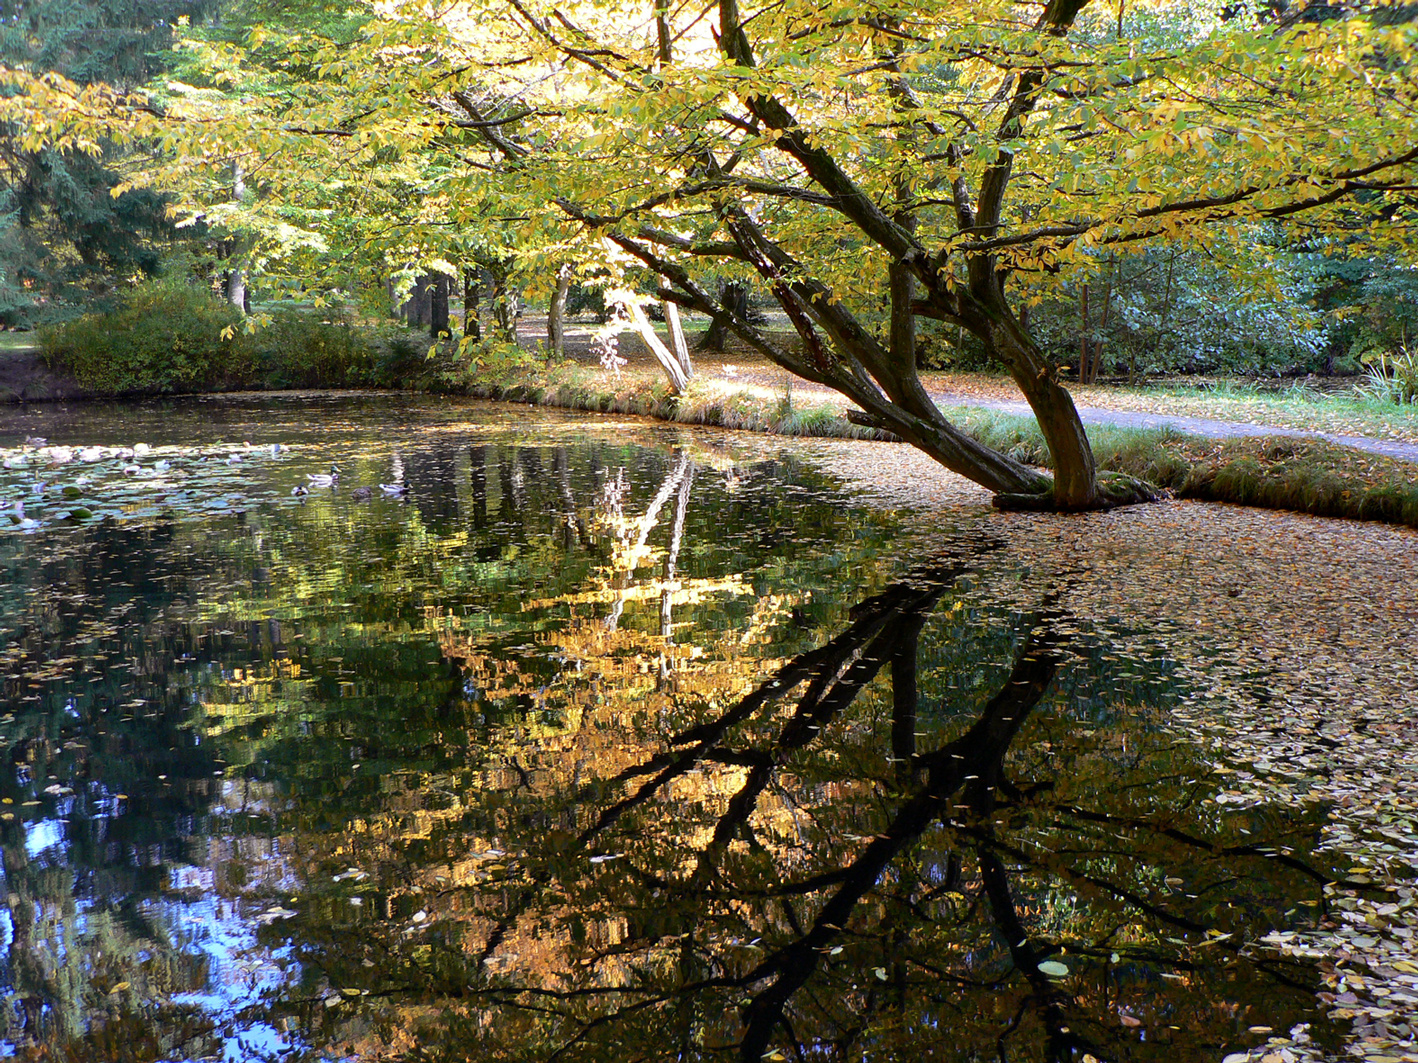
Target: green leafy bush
x,y
303,350
403,359
168,338
163,338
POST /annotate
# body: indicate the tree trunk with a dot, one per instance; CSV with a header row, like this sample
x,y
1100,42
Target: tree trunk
x,y
235,286
556,314
504,305
236,276
1075,475
438,292
417,309
678,346
674,372
734,298
472,292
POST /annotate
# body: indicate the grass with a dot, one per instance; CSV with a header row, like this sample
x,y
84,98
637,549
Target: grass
x,y
1300,404
17,342
703,402
1271,472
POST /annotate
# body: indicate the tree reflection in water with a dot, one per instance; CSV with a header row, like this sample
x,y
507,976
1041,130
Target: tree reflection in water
x,y
799,875
484,778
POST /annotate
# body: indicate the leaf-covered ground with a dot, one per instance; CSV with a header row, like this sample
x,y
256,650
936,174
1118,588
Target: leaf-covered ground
x,y
1302,631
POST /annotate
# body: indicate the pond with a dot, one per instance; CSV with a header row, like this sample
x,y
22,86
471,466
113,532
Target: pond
x,y
367,728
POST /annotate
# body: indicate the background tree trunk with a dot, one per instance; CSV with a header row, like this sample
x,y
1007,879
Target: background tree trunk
x,y
235,288
504,303
235,284
438,292
472,296
556,314
734,298
417,309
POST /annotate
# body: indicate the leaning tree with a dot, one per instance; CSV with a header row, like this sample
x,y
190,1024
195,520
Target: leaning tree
x,y
880,164
873,164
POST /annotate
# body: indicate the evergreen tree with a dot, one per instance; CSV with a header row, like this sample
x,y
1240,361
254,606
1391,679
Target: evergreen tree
x,y
65,240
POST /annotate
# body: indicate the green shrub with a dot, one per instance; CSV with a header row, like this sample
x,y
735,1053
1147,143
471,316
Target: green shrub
x,y
163,338
403,359
302,350
168,338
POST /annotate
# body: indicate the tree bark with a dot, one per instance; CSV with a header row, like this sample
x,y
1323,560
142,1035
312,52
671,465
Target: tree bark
x,y
678,346
504,303
438,292
674,372
235,286
236,276
417,309
472,293
556,314
1075,474
733,297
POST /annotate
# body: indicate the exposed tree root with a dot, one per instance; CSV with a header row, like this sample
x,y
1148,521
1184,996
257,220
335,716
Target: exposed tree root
x,y
1115,489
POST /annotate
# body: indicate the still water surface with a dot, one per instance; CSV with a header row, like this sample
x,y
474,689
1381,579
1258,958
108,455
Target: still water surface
x,y
585,741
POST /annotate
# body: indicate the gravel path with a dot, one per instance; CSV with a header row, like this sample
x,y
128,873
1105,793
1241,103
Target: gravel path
x,y
1197,426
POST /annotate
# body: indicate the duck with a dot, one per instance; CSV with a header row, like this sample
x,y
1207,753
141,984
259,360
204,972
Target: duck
x,y
300,490
324,479
395,490
361,494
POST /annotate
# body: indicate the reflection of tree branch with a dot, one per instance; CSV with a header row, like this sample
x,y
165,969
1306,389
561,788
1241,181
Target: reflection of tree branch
x,y
561,465
678,475
970,762
835,673
671,561
1027,958
987,842
1176,835
828,669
